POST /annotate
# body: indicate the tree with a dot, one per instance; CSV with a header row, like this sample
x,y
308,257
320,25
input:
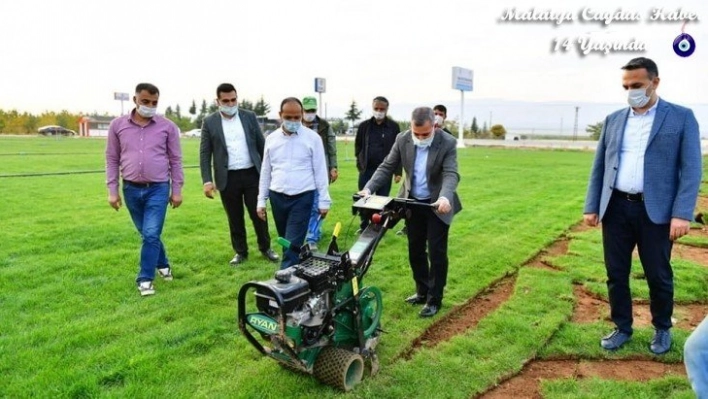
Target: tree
x,y
261,108
498,131
168,111
353,114
484,133
245,104
474,128
67,120
404,125
213,107
178,111
595,130
339,126
30,123
202,114
193,108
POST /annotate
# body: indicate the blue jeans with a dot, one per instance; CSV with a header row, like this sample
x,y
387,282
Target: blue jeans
x,y
314,228
291,214
148,206
695,356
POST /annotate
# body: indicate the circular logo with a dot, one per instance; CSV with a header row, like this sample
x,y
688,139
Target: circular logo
x,y
684,45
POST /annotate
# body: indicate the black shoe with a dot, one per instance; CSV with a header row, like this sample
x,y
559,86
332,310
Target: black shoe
x,y
238,259
429,310
416,299
271,255
661,342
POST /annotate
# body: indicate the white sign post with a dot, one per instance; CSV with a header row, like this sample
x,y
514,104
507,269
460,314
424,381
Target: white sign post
x,y
462,81
320,87
122,97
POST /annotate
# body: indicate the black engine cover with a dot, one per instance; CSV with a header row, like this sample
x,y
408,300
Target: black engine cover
x,y
294,293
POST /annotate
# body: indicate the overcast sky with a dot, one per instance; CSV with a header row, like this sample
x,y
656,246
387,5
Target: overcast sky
x,y
73,54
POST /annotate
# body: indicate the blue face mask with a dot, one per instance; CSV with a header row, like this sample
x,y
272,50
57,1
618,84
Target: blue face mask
x,y
227,110
292,126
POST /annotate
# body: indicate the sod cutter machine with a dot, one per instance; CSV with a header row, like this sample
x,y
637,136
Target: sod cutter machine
x,y
318,317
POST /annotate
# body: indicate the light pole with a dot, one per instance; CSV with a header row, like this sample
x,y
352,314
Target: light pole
x,y
575,126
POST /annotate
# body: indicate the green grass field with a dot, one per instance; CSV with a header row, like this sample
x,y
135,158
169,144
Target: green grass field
x,y
73,325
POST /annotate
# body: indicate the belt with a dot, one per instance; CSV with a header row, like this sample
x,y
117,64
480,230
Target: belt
x,y
294,196
636,197
242,170
140,185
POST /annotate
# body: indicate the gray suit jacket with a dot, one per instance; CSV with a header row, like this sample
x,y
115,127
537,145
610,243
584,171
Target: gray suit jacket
x,y
213,146
672,164
441,171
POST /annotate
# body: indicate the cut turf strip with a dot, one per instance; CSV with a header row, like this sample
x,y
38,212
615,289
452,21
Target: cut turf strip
x,y
465,316
527,383
590,308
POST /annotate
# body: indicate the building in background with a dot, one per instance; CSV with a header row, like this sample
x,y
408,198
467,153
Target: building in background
x,y
94,126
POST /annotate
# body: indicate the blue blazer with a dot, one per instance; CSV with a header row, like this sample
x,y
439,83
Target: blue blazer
x,y
672,164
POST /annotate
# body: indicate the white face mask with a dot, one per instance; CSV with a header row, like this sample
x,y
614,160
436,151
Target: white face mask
x,y
379,115
439,121
426,142
309,116
228,110
147,112
638,98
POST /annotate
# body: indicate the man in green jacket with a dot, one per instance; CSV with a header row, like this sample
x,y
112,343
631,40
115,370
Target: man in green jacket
x,y
329,141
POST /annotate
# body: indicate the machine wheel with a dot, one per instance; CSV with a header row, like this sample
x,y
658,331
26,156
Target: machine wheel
x,y
371,304
339,368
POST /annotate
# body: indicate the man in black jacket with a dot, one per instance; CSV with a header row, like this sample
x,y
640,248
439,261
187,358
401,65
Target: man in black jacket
x,y
374,139
233,139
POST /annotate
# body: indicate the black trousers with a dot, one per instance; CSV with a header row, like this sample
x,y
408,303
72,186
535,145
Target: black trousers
x,y
624,226
427,252
242,189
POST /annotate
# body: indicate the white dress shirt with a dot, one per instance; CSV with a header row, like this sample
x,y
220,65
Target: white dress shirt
x,y
630,174
294,164
236,146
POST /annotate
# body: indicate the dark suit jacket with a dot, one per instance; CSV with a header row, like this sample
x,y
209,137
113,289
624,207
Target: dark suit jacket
x,y
672,164
213,146
361,142
441,169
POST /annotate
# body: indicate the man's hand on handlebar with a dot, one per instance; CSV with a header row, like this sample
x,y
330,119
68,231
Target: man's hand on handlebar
x,y
442,205
365,193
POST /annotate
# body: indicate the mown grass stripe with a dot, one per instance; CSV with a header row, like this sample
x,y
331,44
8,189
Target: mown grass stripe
x,y
498,348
